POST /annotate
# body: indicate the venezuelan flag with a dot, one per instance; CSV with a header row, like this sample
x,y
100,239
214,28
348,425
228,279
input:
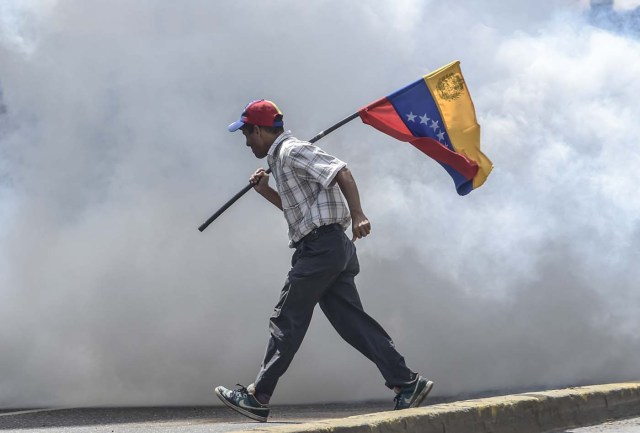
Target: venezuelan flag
x,y
436,115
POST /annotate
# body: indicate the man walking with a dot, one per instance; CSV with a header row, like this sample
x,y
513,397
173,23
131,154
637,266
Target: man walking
x,y
309,183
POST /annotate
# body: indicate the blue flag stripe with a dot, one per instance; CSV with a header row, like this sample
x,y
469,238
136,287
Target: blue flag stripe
x,y
419,112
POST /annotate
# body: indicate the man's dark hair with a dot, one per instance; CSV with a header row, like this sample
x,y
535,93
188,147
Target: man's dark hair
x,y
272,129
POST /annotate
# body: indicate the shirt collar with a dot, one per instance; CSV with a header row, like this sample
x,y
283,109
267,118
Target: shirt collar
x,y
282,137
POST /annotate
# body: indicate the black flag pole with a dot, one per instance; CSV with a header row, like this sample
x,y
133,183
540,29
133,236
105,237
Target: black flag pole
x,y
248,187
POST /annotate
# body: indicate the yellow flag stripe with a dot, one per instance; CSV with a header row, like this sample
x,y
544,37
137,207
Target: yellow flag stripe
x,y
449,91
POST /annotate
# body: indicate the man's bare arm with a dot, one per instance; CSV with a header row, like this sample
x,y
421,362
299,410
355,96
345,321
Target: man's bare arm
x,y
260,182
360,225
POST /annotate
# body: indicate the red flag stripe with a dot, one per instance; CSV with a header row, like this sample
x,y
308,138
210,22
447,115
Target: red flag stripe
x,y
383,116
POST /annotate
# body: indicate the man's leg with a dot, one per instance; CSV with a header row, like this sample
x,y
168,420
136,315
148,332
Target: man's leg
x,y
287,327
342,306
316,265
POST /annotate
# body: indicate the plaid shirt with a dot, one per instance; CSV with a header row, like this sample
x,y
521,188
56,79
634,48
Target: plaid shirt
x,y
303,174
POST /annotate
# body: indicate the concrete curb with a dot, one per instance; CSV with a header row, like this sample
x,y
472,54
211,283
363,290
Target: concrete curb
x,y
533,412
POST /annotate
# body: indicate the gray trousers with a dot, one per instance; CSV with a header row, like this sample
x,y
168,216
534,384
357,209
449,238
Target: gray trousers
x,y
323,269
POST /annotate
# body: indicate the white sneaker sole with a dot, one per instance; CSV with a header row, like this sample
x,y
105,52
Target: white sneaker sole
x,y
423,394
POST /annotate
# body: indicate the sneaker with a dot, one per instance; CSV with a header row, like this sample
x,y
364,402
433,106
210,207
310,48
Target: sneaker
x,y
412,395
244,402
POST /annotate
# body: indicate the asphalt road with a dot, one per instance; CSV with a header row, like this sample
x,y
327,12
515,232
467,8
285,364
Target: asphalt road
x,y
210,419
631,425
213,419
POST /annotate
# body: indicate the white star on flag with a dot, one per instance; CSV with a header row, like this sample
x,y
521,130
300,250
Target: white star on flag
x,y
441,136
411,117
434,124
424,119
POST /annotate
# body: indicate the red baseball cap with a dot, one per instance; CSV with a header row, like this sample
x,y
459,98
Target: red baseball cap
x,y
260,112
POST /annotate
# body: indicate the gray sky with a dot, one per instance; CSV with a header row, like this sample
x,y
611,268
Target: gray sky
x,y
114,149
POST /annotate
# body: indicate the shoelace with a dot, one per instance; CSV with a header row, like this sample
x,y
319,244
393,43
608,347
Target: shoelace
x,y
242,390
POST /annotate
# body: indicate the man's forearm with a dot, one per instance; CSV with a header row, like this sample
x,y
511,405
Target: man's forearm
x,y
360,225
349,189
273,196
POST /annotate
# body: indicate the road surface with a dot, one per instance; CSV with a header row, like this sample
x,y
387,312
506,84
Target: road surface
x,y
210,419
631,425
213,419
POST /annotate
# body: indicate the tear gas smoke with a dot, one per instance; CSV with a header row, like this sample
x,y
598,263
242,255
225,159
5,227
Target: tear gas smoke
x,y
113,149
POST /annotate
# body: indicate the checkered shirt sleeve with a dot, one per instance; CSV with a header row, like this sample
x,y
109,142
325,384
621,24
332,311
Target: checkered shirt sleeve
x,y
313,164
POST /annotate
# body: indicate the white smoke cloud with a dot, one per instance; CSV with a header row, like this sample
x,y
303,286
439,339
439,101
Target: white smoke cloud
x,y
114,149
20,21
